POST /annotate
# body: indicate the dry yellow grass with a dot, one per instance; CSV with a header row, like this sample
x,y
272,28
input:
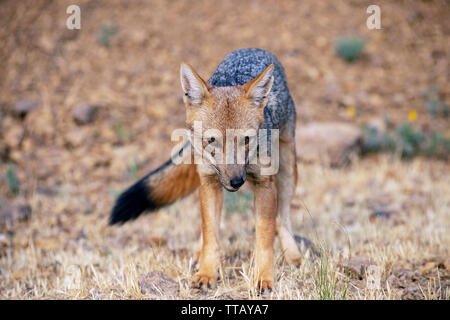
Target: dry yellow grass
x,y
80,257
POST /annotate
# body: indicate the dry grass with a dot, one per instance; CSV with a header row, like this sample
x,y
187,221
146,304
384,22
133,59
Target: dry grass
x,y
89,260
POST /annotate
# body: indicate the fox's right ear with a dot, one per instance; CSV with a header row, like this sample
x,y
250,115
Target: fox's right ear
x,y
258,89
194,87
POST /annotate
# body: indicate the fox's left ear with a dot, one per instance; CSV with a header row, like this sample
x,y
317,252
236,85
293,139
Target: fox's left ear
x,y
194,87
258,89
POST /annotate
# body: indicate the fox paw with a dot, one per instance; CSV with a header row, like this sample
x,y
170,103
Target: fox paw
x,y
204,281
265,286
196,257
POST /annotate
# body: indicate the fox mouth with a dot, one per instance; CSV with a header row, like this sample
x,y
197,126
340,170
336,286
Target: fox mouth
x,y
231,189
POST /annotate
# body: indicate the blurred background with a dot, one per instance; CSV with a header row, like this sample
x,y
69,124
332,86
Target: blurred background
x,y
84,113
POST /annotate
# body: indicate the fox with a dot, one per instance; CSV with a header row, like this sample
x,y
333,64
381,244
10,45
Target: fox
x,y
247,91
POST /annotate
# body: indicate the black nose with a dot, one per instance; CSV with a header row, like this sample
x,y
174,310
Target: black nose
x,y
237,182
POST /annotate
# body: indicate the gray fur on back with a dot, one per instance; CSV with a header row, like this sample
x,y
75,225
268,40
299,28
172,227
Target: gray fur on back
x,y
241,66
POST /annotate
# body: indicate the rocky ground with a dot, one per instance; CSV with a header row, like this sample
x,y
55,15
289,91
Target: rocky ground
x,y
84,113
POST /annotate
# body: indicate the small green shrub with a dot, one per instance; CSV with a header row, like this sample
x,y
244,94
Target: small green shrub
x,y
105,34
349,47
326,280
123,134
374,141
12,179
434,104
436,145
409,140
406,141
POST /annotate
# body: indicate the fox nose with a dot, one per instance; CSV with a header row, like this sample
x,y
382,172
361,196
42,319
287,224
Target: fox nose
x,y
237,182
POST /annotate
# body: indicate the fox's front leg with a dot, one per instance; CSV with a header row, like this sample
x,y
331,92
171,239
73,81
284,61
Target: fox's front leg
x,y
211,199
265,224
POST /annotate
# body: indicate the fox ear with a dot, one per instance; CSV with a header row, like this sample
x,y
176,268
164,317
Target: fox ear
x,y
194,87
258,89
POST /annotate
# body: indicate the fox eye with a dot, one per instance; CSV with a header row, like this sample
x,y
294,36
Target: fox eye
x,y
211,140
246,140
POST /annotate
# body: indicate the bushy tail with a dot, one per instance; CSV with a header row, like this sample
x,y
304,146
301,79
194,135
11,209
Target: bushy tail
x,y
159,188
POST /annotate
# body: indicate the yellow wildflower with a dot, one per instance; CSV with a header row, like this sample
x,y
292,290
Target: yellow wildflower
x,y
412,116
351,111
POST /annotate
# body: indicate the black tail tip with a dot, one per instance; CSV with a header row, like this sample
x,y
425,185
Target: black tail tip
x,y
132,203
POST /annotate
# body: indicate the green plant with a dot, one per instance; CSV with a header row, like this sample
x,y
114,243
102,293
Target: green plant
x,y
409,140
12,179
373,140
434,104
436,144
349,47
122,133
326,281
406,141
105,34
133,170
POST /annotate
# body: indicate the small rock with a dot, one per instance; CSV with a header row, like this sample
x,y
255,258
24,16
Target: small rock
x,y
46,43
378,124
446,264
6,217
408,275
407,265
386,208
14,213
412,293
68,35
4,151
22,107
76,137
416,200
356,266
3,246
157,241
81,235
48,244
347,218
13,136
23,212
46,191
375,100
328,142
347,101
394,282
377,60
3,240
398,98
18,274
84,113
158,283
362,98
386,205
379,215
332,89
427,267
414,14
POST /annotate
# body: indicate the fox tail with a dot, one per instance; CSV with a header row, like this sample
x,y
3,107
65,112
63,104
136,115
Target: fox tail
x,y
157,189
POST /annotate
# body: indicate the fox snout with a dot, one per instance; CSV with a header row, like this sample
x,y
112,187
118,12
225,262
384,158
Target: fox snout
x,y
237,182
234,178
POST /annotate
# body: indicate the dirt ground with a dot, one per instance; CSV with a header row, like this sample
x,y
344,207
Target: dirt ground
x,y
391,214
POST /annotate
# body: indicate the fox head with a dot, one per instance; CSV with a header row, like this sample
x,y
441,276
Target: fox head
x,y
230,118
